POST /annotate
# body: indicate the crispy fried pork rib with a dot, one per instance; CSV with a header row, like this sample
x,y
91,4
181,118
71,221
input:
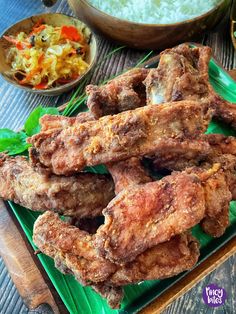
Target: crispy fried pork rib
x,y
182,74
218,149
178,154
145,215
112,138
226,112
82,195
125,92
203,152
73,251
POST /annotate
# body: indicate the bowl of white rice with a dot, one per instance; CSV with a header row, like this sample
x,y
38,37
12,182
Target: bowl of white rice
x,y
150,24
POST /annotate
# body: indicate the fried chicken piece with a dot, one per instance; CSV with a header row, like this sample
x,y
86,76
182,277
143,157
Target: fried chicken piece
x,y
82,195
219,149
171,257
50,122
125,92
112,138
74,253
144,215
128,172
182,74
71,249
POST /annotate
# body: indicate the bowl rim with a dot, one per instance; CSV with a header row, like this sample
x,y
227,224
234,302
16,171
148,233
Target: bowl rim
x,y
67,86
157,25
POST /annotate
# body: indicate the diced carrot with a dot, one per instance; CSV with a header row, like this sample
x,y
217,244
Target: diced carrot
x,y
38,29
38,23
71,33
14,42
41,57
41,86
19,45
26,56
29,76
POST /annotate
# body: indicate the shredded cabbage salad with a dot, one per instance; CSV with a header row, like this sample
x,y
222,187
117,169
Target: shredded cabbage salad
x,y
48,56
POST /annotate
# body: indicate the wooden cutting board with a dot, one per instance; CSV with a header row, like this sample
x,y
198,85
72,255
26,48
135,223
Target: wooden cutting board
x,y
36,288
27,273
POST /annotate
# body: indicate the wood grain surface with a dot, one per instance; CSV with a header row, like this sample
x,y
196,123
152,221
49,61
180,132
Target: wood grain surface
x,y
15,106
28,275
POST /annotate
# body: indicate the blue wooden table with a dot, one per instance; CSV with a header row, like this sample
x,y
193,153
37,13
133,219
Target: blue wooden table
x,y
15,106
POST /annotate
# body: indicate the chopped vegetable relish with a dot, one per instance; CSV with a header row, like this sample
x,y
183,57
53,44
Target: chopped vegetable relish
x,y
48,56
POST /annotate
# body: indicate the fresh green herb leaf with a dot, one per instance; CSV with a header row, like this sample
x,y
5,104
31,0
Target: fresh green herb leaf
x,y
32,125
144,59
12,142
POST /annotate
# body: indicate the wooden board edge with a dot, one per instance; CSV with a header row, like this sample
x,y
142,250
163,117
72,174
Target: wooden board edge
x,y
191,279
23,266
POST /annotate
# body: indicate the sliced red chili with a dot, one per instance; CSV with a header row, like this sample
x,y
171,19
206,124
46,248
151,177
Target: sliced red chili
x,y
71,33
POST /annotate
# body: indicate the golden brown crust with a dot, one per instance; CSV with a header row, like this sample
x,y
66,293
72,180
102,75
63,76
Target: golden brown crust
x,y
72,247
82,195
125,92
217,197
180,154
161,261
204,152
225,111
128,172
74,253
182,74
50,122
113,138
144,215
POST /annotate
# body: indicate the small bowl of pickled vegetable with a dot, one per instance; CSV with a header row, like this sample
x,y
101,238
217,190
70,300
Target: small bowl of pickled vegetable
x,y
47,54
